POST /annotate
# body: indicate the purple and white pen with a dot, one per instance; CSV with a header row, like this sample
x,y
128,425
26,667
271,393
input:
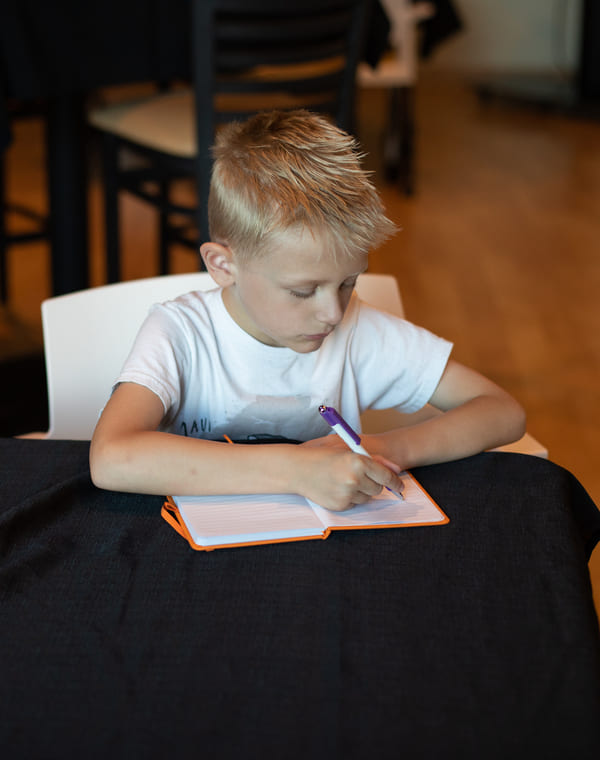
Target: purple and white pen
x,y
339,425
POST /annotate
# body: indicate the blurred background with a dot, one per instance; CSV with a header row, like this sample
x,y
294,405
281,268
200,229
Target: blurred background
x,y
499,245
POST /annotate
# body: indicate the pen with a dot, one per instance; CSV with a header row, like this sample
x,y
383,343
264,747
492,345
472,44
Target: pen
x,y
339,425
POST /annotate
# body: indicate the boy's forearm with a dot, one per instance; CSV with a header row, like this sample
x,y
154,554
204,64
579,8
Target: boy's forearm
x,y
161,463
480,424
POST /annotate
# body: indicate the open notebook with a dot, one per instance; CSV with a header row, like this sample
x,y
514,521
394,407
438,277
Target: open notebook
x,y
214,522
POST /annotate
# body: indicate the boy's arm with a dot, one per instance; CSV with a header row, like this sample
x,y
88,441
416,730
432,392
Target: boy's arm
x,y
128,453
477,415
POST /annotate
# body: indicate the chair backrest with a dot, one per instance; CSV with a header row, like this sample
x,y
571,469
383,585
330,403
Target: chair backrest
x,y
88,335
252,55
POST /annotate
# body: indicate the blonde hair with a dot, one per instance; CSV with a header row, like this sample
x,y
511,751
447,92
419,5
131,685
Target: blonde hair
x,y
284,169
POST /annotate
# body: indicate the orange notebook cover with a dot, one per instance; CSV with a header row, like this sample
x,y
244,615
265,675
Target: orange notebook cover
x,y
216,522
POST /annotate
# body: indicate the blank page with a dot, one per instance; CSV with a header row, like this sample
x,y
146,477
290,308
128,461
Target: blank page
x,y
416,508
214,520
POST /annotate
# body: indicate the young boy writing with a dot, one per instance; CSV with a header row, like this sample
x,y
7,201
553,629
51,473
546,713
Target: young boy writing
x,y
292,220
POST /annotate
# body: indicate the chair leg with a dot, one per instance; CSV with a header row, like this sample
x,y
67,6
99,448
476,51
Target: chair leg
x,y
399,142
3,236
407,140
110,159
202,192
163,227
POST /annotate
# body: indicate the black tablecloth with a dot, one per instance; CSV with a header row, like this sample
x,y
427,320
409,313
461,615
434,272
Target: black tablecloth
x,y
477,639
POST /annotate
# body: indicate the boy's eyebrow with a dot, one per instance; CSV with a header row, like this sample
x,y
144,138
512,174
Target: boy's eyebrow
x,y
297,283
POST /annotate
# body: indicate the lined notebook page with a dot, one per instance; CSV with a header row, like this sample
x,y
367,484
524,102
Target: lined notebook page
x,y
211,520
387,509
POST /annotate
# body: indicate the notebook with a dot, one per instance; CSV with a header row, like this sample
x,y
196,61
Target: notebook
x,y
215,522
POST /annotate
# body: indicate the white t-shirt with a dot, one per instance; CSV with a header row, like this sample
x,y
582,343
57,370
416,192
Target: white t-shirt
x,y
213,378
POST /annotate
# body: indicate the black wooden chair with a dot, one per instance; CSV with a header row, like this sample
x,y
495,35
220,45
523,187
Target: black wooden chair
x,y
247,56
33,225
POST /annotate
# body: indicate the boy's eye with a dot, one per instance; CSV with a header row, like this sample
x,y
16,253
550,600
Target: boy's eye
x,y
348,285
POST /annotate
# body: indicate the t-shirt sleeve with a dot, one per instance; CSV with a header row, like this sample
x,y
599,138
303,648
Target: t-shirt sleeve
x,y
157,357
398,364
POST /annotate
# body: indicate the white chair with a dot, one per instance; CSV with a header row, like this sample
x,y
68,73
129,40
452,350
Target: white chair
x,y
397,72
88,335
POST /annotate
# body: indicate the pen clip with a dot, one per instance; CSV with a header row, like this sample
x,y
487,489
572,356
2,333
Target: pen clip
x,y
332,417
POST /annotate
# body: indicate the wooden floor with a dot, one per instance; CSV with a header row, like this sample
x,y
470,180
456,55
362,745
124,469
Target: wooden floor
x,y
499,251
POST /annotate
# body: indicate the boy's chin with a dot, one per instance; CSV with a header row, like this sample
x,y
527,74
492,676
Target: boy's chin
x,y
303,344
307,345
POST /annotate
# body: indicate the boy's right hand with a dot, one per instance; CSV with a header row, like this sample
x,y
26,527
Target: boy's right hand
x,y
340,479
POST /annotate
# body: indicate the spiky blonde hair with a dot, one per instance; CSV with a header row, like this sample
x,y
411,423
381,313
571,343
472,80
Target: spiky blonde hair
x,y
285,169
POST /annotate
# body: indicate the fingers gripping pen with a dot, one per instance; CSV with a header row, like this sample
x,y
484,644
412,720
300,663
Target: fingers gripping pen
x,y
339,425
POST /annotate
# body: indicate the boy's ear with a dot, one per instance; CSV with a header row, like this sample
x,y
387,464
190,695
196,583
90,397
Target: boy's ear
x,y
219,263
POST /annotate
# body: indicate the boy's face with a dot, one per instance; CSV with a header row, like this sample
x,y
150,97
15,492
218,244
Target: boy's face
x,y
296,294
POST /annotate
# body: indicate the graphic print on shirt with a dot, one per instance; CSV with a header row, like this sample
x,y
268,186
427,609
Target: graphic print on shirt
x,y
263,419
195,429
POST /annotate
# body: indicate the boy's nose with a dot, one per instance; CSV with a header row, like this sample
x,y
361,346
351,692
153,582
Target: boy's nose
x,y
331,310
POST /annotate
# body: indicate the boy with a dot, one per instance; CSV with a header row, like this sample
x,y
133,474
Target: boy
x,y
292,220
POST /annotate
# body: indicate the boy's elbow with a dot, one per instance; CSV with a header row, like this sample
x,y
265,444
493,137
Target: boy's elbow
x,y
102,466
98,470
518,420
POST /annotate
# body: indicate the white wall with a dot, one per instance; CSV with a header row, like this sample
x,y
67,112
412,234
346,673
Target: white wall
x,y
513,35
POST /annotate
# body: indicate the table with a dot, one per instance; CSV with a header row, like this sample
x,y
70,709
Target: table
x,y
477,639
